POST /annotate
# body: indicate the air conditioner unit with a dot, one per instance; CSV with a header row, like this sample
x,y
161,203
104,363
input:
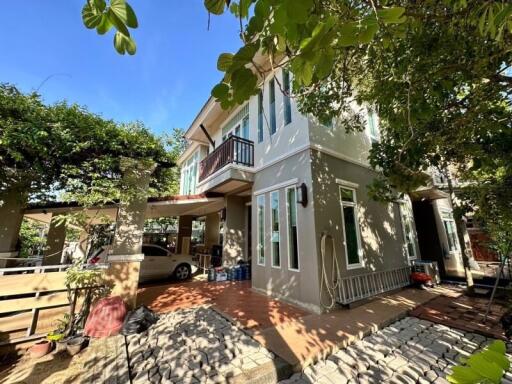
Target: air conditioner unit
x,y
429,267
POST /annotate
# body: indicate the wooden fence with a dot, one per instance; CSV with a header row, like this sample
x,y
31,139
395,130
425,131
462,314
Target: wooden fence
x,y
28,294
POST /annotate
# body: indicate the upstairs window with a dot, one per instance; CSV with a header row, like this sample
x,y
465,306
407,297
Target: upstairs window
x,y
287,105
272,106
189,175
373,126
260,116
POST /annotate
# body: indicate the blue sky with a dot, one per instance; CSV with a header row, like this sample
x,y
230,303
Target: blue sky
x,y
164,84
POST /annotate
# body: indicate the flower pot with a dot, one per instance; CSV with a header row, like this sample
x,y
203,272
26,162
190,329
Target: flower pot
x,y
40,349
61,345
75,345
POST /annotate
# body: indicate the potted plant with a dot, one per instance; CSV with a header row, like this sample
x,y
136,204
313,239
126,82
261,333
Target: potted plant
x,y
58,334
75,344
40,349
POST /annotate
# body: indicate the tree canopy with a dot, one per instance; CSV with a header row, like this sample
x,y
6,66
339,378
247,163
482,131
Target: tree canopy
x,y
63,148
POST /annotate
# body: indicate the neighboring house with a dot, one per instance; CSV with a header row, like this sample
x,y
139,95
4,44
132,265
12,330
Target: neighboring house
x,y
264,157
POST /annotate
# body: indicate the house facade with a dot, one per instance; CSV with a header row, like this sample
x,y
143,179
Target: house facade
x,y
296,201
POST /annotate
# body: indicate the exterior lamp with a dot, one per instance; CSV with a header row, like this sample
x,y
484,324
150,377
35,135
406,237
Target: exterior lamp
x,y
302,194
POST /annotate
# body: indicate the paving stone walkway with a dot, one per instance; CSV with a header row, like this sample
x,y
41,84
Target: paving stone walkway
x,y
197,345
408,351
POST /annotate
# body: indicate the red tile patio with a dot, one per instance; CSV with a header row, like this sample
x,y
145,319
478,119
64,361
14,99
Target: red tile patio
x,y
465,313
235,299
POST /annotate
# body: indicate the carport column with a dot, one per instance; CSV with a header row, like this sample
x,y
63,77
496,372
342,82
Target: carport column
x,y
234,228
126,253
212,229
54,242
184,230
12,204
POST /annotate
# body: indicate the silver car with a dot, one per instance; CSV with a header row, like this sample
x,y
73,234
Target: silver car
x,y
158,263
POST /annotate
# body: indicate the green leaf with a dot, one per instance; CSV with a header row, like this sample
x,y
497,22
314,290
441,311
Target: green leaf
x,y
391,15
368,33
244,8
262,9
124,12
498,346
497,358
104,26
462,375
245,55
325,64
224,61
91,16
243,82
100,5
486,368
120,43
130,45
220,91
117,22
215,6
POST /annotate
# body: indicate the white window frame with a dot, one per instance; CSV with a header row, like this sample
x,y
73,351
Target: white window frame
x,y
406,214
275,192
258,233
370,113
353,204
288,229
457,245
186,170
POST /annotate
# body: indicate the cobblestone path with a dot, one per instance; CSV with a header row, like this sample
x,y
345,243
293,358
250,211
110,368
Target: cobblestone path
x,y
408,351
194,345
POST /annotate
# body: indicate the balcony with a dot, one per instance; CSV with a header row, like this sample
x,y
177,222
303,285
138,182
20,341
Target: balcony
x,y
235,151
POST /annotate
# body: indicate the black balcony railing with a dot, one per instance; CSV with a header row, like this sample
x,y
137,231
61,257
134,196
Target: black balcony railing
x,y
234,150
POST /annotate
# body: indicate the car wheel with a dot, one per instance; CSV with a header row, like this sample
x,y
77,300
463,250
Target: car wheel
x,y
182,272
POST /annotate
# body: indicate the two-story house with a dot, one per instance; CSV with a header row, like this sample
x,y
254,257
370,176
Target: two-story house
x,y
295,199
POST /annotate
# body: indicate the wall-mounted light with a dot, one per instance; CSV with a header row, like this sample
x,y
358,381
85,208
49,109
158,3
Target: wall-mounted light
x,y
222,214
302,194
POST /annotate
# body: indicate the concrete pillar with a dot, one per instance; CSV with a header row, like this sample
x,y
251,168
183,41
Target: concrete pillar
x,y
54,242
126,254
12,205
211,236
234,231
184,231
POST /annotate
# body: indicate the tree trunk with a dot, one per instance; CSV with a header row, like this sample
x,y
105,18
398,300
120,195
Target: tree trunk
x,y
461,227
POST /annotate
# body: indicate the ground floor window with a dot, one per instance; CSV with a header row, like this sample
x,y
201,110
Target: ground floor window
x,y
451,230
291,217
275,240
260,249
351,227
407,218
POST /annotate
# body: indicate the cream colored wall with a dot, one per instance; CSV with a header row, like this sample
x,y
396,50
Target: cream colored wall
x,y
353,146
381,235
300,287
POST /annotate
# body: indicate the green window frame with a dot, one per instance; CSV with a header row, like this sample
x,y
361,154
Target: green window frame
x,y
351,234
